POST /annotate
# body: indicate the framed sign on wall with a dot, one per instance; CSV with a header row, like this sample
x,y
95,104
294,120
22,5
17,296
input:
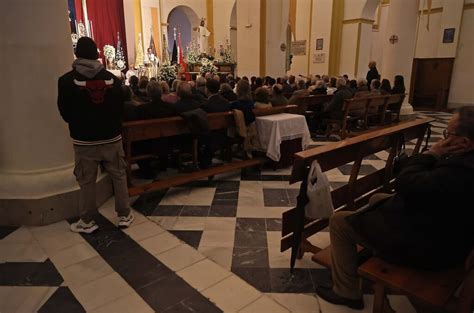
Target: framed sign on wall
x,y
448,35
319,44
298,47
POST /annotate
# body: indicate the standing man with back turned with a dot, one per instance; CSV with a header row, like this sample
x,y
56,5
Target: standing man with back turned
x,y
90,101
372,73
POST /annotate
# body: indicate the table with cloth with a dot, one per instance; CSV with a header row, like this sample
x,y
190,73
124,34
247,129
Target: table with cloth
x,y
282,135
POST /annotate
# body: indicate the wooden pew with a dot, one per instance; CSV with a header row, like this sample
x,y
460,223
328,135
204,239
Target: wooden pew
x,y
356,193
431,288
312,104
435,289
136,131
394,105
363,108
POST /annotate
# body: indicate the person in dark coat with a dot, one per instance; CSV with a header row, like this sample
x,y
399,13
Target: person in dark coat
x,y
372,73
333,109
131,109
244,102
430,212
277,98
227,93
156,108
186,101
385,88
398,85
215,102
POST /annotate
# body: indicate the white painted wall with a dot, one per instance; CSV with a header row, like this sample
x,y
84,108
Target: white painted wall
x,y
248,38
379,37
222,13
277,21
462,91
353,9
451,18
364,51
427,42
300,62
322,13
348,49
430,42
198,6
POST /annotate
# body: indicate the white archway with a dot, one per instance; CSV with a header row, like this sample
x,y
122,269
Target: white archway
x,y
186,21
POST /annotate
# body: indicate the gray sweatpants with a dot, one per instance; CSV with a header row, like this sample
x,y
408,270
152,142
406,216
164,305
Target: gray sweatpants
x,y
87,160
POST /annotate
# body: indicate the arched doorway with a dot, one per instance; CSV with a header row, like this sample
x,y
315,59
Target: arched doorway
x,y
186,21
233,31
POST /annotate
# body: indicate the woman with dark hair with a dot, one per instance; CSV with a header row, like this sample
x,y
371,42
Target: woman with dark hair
x,y
385,88
398,85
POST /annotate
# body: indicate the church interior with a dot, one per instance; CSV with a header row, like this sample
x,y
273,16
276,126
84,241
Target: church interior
x,y
243,156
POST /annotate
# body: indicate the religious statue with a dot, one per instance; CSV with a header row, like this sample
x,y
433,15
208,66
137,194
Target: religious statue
x,y
152,63
203,36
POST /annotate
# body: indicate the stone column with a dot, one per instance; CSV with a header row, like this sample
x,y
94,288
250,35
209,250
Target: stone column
x,y
398,57
37,185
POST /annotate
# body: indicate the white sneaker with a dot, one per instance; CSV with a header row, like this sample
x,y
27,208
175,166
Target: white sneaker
x,y
83,227
125,221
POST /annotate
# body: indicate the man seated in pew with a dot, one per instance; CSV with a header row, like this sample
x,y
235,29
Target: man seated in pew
x,y
333,109
156,108
319,88
375,88
362,89
301,92
426,224
186,101
227,93
215,102
262,98
277,98
199,91
130,107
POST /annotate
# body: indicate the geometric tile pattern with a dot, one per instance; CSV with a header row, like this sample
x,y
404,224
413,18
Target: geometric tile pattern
x,y
232,227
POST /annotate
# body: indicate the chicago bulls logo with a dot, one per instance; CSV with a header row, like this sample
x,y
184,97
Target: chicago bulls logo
x,y
95,88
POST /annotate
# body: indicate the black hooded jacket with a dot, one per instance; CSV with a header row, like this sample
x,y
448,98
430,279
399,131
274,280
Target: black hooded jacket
x,y
90,100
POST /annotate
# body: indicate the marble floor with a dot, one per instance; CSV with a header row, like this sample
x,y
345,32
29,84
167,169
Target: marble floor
x,y
203,247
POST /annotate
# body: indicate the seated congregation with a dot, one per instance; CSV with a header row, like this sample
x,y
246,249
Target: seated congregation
x,y
406,226
417,222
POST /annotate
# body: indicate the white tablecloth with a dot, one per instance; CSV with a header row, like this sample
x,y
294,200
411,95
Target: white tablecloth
x,y
273,129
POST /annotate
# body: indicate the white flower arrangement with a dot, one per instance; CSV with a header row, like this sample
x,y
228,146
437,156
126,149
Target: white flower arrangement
x,y
227,57
167,72
109,52
207,66
193,56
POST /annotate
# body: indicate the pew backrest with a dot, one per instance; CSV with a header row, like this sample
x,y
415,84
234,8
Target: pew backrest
x,y
357,191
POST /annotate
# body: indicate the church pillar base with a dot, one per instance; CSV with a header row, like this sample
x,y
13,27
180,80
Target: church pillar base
x,y
407,113
44,198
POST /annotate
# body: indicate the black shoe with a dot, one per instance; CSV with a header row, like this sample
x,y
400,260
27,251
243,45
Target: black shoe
x,y
330,296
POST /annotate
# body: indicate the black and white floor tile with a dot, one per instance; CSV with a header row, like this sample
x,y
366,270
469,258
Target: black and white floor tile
x,y
209,246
